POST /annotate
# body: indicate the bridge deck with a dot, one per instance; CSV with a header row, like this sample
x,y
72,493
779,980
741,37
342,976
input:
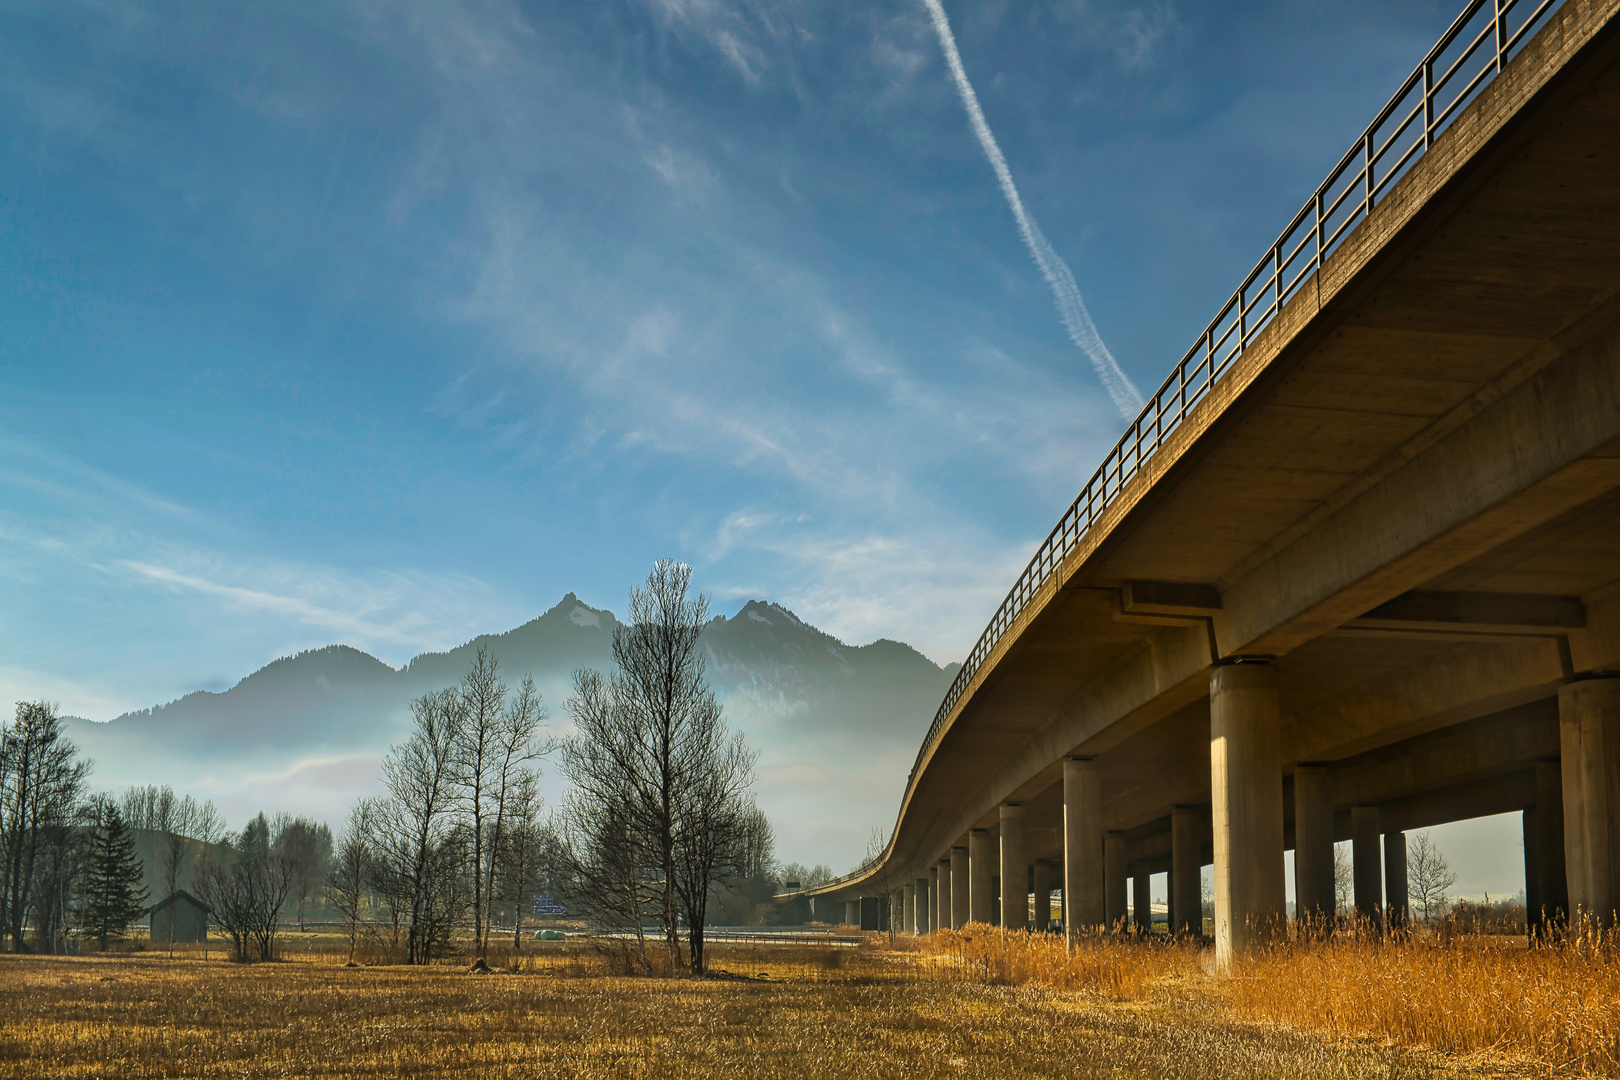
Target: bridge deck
x,y
1436,410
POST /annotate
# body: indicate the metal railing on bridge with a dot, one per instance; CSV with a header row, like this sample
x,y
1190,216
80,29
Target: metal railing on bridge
x,y
1471,53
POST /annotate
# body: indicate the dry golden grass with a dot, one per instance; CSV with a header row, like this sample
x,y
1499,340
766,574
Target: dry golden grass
x,y
1472,996
1482,1000
1112,968
780,1012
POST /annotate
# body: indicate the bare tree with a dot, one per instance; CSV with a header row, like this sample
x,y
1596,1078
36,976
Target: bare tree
x,y
483,695
1344,879
605,854
350,869
62,871
657,778
41,780
756,844
1428,876
716,829
418,816
307,845
523,845
877,842
517,744
182,824
245,884
808,877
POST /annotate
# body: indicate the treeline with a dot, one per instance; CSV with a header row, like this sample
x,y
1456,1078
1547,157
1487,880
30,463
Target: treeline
x,y
70,869
461,827
657,830
659,816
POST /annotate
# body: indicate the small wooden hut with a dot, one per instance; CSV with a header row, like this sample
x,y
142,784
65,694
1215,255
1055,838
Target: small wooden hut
x,y
179,917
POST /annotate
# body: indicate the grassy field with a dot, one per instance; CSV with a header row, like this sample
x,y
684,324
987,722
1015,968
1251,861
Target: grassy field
x,y
973,1005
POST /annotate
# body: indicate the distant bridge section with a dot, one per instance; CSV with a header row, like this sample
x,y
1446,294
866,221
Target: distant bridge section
x,y
1354,570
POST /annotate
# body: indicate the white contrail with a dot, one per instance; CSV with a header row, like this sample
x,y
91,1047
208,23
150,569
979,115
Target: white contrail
x,y
1065,294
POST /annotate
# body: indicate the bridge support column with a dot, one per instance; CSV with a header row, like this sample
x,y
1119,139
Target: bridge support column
x,y
1551,911
908,908
924,919
1014,869
852,913
1141,899
1589,738
1042,873
980,871
933,898
1114,881
1396,911
1365,867
959,887
1246,788
1083,906
1186,871
1313,850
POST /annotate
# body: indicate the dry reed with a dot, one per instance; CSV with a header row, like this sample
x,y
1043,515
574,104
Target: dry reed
x,y
1479,997
1116,969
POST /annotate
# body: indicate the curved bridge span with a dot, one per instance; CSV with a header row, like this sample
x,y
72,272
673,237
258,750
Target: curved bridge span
x,y
1356,567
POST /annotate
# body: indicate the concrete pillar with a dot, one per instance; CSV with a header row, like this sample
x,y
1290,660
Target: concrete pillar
x,y
1014,869
1083,904
1366,864
959,887
1313,849
923,921
908,909
1589,737
1246,789
1043,895
1141,899
980,871
1186,871
1114,881
1396,909
1552,911
852,913
933,898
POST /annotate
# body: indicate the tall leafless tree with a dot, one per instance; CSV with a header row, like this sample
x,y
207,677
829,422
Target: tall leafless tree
x,y
1344,879
1429,877
517,746
349,873
656,776
523,845
604,859
41,781
418,817
716,824
483,696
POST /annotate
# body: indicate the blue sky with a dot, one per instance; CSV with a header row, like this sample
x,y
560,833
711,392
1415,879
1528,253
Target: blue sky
x,y
390,323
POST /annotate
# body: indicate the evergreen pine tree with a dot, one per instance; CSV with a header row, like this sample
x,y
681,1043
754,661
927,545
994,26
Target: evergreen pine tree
x,y
115,896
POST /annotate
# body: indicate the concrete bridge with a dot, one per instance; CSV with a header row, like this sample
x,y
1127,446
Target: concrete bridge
x,y
1356,568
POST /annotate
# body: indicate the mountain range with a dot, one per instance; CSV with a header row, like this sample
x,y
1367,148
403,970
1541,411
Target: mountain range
x,y
836,725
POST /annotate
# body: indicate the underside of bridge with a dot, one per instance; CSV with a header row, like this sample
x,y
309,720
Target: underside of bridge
x,y
1399,514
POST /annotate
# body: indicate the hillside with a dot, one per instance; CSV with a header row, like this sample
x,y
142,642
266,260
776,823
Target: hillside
x,y
305,733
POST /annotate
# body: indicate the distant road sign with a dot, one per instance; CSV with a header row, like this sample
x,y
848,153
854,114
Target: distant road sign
x,y
547,905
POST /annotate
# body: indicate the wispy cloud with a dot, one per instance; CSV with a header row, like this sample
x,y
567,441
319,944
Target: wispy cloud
x,y
1065,293
83,529
354,621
